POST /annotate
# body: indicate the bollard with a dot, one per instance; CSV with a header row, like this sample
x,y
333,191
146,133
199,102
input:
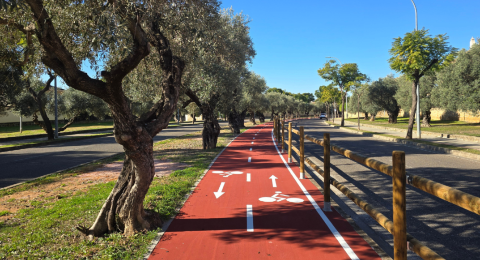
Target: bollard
x,y
283,136
302,154
279,130
326,172
290,142
399,206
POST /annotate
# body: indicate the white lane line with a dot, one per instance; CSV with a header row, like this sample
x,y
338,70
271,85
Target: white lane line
x,y
248,177
249,218
254,138
252,142
249,159
250,149
330,226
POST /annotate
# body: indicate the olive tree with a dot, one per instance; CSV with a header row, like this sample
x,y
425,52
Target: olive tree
x,y
458,85
382,93
122,33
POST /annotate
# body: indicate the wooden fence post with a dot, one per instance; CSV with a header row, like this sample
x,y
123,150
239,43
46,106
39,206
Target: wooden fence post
x,y
290,142
275,128
399,207
302,154
326,172
283,136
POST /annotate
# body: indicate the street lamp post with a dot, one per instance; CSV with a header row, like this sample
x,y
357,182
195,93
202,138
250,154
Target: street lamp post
x,y
56,110
419,133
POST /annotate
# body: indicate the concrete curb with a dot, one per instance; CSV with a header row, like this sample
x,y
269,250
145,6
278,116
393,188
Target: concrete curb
x,y
16,138
433,134
415,144
19,147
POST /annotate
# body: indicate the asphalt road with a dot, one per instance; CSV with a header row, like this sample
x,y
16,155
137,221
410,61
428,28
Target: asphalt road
x,y
451,231
27,164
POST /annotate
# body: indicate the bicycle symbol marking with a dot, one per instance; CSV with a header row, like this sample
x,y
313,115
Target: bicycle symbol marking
x,y
278,196
226,174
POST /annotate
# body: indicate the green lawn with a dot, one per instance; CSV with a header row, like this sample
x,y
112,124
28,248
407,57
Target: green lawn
x,y
13,131
45,228
438,126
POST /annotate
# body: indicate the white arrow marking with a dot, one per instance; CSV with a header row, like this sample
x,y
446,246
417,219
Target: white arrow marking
x,y
273,178
248,177
219,192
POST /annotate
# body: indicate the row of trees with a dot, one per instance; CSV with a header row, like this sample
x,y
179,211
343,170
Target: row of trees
x,y
151,58
446,81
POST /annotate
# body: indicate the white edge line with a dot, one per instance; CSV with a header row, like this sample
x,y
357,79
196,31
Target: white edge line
x,y
330,226
165,225
248,177
249,218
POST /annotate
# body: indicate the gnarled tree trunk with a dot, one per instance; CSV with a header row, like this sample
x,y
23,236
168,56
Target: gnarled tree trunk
x,y
261,117
427,117
252,117
211,128
241,118
233,120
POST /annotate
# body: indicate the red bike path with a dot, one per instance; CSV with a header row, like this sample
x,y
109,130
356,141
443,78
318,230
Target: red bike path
x,y
252,219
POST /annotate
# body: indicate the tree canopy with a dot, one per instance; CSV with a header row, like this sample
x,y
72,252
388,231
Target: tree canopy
x,y
343,76
417,54
458,85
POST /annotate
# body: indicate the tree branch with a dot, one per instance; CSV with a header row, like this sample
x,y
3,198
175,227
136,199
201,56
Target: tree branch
x,y
28,31
428,67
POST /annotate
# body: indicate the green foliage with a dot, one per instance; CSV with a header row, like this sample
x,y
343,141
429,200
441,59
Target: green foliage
x,y
417,53
382,93
72,103
11,85
404,92
342,76
459,84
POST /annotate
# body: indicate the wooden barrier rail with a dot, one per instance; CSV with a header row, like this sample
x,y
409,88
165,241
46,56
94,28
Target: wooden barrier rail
x,y
416,246
454,196
399,178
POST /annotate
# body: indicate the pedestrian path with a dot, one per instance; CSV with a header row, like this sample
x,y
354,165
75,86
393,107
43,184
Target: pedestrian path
x,y
401,134
251,205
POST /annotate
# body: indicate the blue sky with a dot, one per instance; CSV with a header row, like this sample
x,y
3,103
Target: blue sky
x,y
292,38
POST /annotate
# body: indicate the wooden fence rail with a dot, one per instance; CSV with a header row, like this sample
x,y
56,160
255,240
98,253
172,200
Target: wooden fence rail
x,y
397,227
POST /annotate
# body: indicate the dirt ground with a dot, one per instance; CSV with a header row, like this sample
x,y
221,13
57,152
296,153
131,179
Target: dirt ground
x,y
57,190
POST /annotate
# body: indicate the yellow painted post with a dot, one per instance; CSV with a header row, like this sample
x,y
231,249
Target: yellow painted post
x,y
283,136
399,206
290,142
302,154
326,172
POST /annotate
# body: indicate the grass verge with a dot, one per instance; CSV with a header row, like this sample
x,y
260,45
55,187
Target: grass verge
x,y
451,147
437,126
54,141
45,228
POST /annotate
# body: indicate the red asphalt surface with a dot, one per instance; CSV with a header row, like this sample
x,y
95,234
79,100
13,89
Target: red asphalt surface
x,y
216,228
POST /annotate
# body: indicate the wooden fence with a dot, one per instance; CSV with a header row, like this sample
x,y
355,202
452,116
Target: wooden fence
x,y
400,178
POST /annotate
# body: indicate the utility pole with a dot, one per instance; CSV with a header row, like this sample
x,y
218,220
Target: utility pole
x,y
419,133
56,110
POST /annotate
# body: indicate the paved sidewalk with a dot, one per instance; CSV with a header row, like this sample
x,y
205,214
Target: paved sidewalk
x,y
401,134
251,205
